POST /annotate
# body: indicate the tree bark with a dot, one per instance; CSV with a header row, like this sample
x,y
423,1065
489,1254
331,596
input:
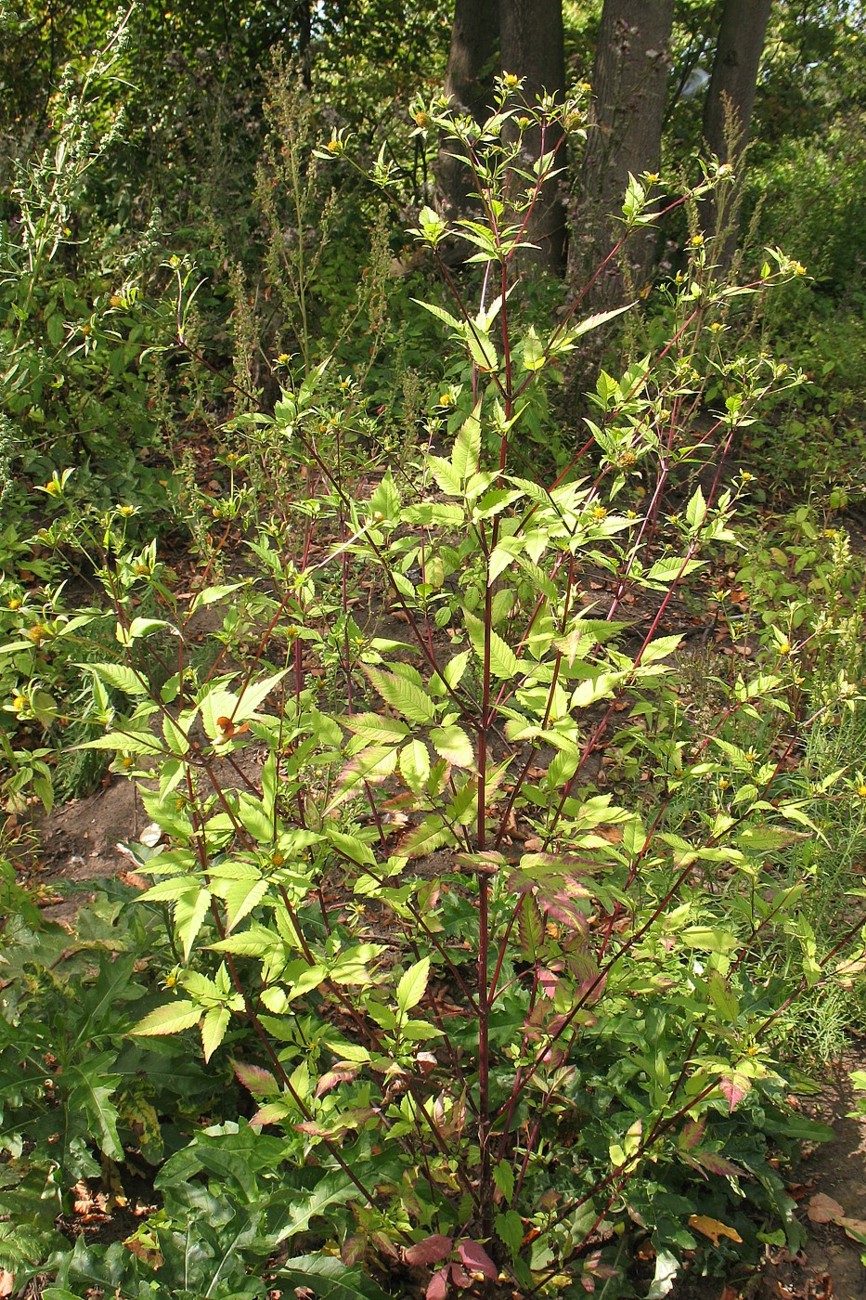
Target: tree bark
x,y
629,89
474,36
728,113
532,47
734,80
468,83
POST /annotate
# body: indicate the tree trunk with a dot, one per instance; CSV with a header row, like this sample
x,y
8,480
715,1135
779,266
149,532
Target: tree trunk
x,y
731,92
468,82
630,79
728,112
474,35
532,47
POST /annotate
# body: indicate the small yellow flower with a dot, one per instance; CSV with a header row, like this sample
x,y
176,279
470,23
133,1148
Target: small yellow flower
x,y
785,647
445,399
421,119
126,511
510,80
599,513
14,603
334,145
717,327
37,633
697,241
751,756
746,477
19,702
283,359
652,177
115,300
52,487
724,783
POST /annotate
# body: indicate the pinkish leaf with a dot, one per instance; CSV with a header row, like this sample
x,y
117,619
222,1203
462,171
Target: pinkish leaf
x,y
429,1251
272,1113
693,1131
549,982
261,1083
459,1276
734,1087
477,1260
330,1080
717,1164
437,1288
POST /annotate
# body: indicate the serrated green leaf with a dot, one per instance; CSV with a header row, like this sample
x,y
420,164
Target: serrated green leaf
x,y
412,701
326,1276
670,569
696,510
213,1030
467,446
453,671
415,765
482,350
120,677
240,899
413,985
504,663
189,913
443,472
660,648
453,744
433,833
170,1019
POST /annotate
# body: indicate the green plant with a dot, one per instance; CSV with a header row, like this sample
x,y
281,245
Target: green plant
x,y
74,324
500,1013
77,1101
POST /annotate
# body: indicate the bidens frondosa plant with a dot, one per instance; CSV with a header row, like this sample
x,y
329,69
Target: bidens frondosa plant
x,y
498,932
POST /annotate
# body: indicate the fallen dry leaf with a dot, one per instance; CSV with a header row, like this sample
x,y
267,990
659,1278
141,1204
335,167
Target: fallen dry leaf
x,y
823,1209
7,1282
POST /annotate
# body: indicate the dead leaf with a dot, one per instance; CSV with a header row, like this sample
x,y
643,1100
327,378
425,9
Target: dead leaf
x,y
7,1282
823,1209
713,1229
855,1228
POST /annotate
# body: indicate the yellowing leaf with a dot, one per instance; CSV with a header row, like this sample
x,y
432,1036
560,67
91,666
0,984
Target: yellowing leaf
x,y
170,1019
713,1228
